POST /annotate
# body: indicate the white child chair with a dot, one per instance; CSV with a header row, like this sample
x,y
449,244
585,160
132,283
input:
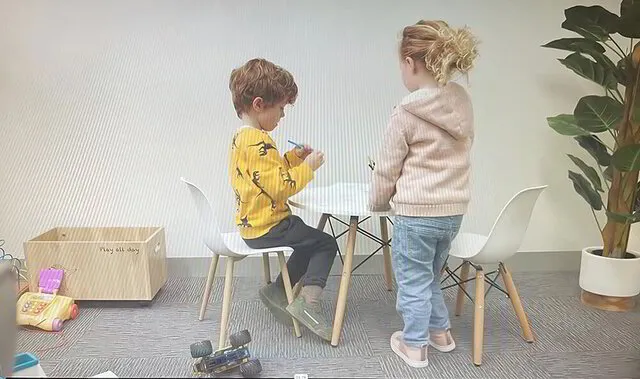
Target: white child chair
x,y
232,246
476,250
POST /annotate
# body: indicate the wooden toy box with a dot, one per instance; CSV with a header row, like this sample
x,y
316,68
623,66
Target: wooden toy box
x,y
114,263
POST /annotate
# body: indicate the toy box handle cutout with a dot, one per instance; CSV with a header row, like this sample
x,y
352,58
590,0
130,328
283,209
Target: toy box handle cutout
x,y
50,280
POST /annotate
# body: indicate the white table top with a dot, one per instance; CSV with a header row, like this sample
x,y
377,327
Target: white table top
x,y
340,199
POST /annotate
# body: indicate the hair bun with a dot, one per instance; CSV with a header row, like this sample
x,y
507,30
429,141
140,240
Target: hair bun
x,y
444,49
464,45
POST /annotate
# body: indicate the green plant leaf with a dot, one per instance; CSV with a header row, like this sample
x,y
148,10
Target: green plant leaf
x,y
630,8
566,125
579,45
597,114
622,71
627,158
629,25
605,61
584,189
588,47
618,217
589,171
623,218
629,28
593,22
585,46
596,148
608,174
588,69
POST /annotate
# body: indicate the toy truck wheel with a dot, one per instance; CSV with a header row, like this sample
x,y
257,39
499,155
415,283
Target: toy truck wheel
x,y
56,325
251,369
74,311
201,349
240,338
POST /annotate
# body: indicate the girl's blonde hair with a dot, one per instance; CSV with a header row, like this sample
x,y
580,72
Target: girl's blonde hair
x,y
443,49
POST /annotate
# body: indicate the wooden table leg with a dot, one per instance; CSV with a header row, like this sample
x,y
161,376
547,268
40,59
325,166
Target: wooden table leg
x,y
464,274
266,267
344,282
388,270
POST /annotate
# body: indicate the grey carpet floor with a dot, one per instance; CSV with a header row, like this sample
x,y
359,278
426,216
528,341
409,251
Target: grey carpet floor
x,y
573,341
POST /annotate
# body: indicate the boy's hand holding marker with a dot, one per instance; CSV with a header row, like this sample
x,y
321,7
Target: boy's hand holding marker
x,y
314,158
302,151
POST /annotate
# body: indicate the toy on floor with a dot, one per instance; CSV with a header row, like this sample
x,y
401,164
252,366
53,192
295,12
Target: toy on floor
x,y
46,309
27,365
226,359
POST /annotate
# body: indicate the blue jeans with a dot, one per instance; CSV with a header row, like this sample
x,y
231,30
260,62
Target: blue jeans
x,y
420,247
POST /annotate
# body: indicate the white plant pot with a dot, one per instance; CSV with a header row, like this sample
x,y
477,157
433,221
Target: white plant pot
x,y
609,276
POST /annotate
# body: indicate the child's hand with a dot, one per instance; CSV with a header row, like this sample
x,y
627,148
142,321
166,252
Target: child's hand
x,y
315,159
379,208
304,152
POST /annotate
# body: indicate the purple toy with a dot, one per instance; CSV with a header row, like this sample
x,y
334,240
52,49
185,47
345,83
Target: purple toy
x,y
50,279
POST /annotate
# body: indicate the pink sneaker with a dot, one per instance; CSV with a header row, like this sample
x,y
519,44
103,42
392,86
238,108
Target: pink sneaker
x,y
442,342
413,356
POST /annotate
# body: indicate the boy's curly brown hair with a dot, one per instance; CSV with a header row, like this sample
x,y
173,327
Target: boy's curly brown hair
x,y
261,78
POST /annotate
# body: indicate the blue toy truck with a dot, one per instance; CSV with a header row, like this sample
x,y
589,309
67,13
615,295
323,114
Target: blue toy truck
x,y
226,359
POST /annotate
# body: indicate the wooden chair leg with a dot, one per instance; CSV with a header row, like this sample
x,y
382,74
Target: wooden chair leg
x,y
266,267
464,274
323,221
478,318
288,290
226,302
343,291
388,269
296,289
517,304
207,289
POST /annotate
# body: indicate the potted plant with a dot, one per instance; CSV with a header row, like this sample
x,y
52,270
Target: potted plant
x,y
607,126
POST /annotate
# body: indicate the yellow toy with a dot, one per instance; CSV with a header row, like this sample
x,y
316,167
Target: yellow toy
x,y
46,309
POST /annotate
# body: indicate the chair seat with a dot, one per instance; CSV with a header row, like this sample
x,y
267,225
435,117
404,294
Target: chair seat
x,y
236,244
467,245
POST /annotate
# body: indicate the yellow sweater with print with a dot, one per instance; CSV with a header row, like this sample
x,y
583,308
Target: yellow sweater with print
x,y
263,181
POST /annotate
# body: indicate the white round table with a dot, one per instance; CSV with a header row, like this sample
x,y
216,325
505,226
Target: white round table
x,y
346,199
341,199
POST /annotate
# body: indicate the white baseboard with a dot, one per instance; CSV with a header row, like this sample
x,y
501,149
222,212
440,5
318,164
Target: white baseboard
x,y
252,266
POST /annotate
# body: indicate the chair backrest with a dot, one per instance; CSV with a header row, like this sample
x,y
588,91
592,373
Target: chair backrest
x,y
212,236
510,227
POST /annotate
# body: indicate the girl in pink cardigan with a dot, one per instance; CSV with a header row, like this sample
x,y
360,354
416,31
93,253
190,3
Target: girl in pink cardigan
x,y
424,169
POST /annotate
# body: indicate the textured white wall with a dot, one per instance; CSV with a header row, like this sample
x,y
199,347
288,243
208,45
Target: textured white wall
x,y
105,104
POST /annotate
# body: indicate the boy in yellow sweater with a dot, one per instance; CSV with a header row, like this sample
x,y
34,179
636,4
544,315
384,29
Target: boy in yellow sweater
x,y
263,180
